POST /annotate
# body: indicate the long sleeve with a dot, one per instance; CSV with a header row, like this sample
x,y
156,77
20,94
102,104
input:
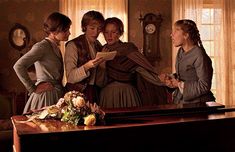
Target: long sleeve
x,y
204,71
73,73
150,77
152,90
25,62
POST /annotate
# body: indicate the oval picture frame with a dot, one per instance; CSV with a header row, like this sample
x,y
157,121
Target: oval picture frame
x,y
19,36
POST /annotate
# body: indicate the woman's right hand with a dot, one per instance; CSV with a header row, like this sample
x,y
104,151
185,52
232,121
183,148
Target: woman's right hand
x,y
93,63
163,77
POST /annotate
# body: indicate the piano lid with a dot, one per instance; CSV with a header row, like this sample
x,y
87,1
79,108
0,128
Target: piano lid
x,y
168,109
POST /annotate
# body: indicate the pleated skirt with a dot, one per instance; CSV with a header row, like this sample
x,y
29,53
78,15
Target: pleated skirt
x,y
40,100
119,95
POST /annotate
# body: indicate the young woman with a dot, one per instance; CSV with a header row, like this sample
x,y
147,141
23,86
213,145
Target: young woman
x,y
192,81
128,73
46,57
80,57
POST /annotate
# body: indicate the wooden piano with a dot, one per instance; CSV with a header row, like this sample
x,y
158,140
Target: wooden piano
x,y
191,127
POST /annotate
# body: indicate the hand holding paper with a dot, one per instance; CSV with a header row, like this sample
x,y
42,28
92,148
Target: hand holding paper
x,y
106,55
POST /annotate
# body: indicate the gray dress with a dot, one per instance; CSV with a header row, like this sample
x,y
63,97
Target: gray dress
x,y
194,68
48,62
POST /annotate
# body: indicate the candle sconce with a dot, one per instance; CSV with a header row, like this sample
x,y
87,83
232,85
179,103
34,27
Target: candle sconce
x,y
141,19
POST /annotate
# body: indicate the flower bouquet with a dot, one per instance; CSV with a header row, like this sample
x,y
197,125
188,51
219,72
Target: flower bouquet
x,y
73,108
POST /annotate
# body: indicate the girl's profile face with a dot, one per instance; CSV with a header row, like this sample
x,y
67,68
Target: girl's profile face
x,y
178,36
111,34
93,30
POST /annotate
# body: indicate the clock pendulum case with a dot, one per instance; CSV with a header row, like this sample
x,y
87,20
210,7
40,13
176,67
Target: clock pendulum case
x,y
151,30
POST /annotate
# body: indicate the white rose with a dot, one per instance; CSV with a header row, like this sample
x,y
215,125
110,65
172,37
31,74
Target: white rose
x,y
90,120
79,102
60,103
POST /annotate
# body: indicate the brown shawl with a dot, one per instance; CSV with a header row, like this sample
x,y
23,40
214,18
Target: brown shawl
x,y
150,94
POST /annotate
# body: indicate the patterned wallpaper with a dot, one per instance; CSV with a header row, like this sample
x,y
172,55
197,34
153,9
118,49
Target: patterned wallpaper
x,y
31,14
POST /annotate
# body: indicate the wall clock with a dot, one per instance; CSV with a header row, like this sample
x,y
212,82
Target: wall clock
x,y
151,29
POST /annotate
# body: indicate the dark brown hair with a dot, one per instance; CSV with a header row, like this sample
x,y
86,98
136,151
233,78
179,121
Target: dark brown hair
x,y
56,22
117,22
190,27
89,16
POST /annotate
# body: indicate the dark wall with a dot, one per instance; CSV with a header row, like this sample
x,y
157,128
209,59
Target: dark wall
x,y
31,14
137,7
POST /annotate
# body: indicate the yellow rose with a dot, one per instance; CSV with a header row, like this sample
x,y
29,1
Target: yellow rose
x,y
79,102
90,120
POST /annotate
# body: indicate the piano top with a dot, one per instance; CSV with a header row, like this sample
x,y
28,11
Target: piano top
x,y
130,117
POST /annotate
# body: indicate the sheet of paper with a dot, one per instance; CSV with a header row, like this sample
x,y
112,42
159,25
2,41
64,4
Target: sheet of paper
x,y
107,55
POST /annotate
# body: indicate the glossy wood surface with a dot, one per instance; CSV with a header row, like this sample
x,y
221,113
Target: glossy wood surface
x,y
204,129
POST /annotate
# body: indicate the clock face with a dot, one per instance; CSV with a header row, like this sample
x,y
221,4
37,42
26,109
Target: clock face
x,y
150,28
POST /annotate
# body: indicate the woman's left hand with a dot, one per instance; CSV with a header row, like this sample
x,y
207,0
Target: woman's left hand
x,y
105,49
174,82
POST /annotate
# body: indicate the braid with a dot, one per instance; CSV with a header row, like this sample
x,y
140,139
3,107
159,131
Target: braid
x,y
197,40
200,45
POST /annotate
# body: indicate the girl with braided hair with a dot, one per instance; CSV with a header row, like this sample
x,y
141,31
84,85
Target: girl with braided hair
x,y
192,81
